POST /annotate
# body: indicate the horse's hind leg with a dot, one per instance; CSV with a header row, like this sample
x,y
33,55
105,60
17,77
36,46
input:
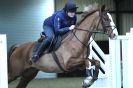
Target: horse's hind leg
x,y
92,71
15,70
27,76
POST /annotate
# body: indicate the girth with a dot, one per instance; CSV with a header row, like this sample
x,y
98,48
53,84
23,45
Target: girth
x,y
57,61
56,44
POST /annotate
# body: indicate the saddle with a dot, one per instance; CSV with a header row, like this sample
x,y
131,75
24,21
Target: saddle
x,y
55,44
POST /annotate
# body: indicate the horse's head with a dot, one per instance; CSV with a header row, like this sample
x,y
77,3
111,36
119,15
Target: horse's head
x,y
107,24
98,21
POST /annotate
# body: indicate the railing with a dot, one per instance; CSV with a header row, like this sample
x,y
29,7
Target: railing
x,y
121,50
101,56
118,65
98,54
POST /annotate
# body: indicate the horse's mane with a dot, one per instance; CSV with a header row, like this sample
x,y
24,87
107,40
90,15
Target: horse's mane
x,y
87,11
91,8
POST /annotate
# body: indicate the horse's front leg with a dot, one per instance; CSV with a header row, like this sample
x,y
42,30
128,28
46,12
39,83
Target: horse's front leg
x,y
92,71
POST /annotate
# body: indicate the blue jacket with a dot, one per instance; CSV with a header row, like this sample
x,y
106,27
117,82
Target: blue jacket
x,y
60,22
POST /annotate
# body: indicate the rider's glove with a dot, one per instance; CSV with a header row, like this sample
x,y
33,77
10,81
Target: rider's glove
x,y
71,27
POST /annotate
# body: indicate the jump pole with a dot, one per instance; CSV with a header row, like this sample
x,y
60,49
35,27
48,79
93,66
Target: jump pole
x,y
3,62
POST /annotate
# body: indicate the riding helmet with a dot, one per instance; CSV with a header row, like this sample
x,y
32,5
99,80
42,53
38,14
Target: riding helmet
x,y
70,7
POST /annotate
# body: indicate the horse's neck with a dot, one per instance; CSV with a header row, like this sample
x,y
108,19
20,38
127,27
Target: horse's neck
x,y
84,36
80,38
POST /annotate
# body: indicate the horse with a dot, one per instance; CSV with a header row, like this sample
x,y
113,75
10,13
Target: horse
x,y
72,53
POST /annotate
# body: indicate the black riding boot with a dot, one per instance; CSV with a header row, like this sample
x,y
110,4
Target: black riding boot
x,y
39,49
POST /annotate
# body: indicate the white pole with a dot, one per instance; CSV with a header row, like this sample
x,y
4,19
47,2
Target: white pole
x,y
130,59
115,67
124,61
97,48
3,62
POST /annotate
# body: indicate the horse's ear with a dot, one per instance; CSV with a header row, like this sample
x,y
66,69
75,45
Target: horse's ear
x,y
103,8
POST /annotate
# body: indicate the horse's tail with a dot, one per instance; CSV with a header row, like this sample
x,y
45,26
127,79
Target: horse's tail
x,y
11,50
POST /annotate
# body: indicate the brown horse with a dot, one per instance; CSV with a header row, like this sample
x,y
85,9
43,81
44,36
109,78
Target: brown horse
x,y
71,54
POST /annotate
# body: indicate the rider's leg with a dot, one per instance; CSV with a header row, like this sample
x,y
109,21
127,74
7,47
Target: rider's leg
x,y
43,44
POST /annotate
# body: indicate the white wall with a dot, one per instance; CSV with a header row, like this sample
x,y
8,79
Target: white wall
x,y
22,20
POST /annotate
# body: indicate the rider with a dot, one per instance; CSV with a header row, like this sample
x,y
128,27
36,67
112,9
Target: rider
x,y
59,23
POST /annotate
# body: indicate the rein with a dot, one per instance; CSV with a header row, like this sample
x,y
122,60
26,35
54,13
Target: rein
x,y
93,31
90,31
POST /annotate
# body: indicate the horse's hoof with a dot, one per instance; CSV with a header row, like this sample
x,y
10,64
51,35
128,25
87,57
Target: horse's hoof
x,y
85,86
87,82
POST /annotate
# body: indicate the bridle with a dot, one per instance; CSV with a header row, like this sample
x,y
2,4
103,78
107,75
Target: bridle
x,y
105,27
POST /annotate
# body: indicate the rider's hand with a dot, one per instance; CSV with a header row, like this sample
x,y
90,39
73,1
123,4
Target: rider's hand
x,y
71,27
